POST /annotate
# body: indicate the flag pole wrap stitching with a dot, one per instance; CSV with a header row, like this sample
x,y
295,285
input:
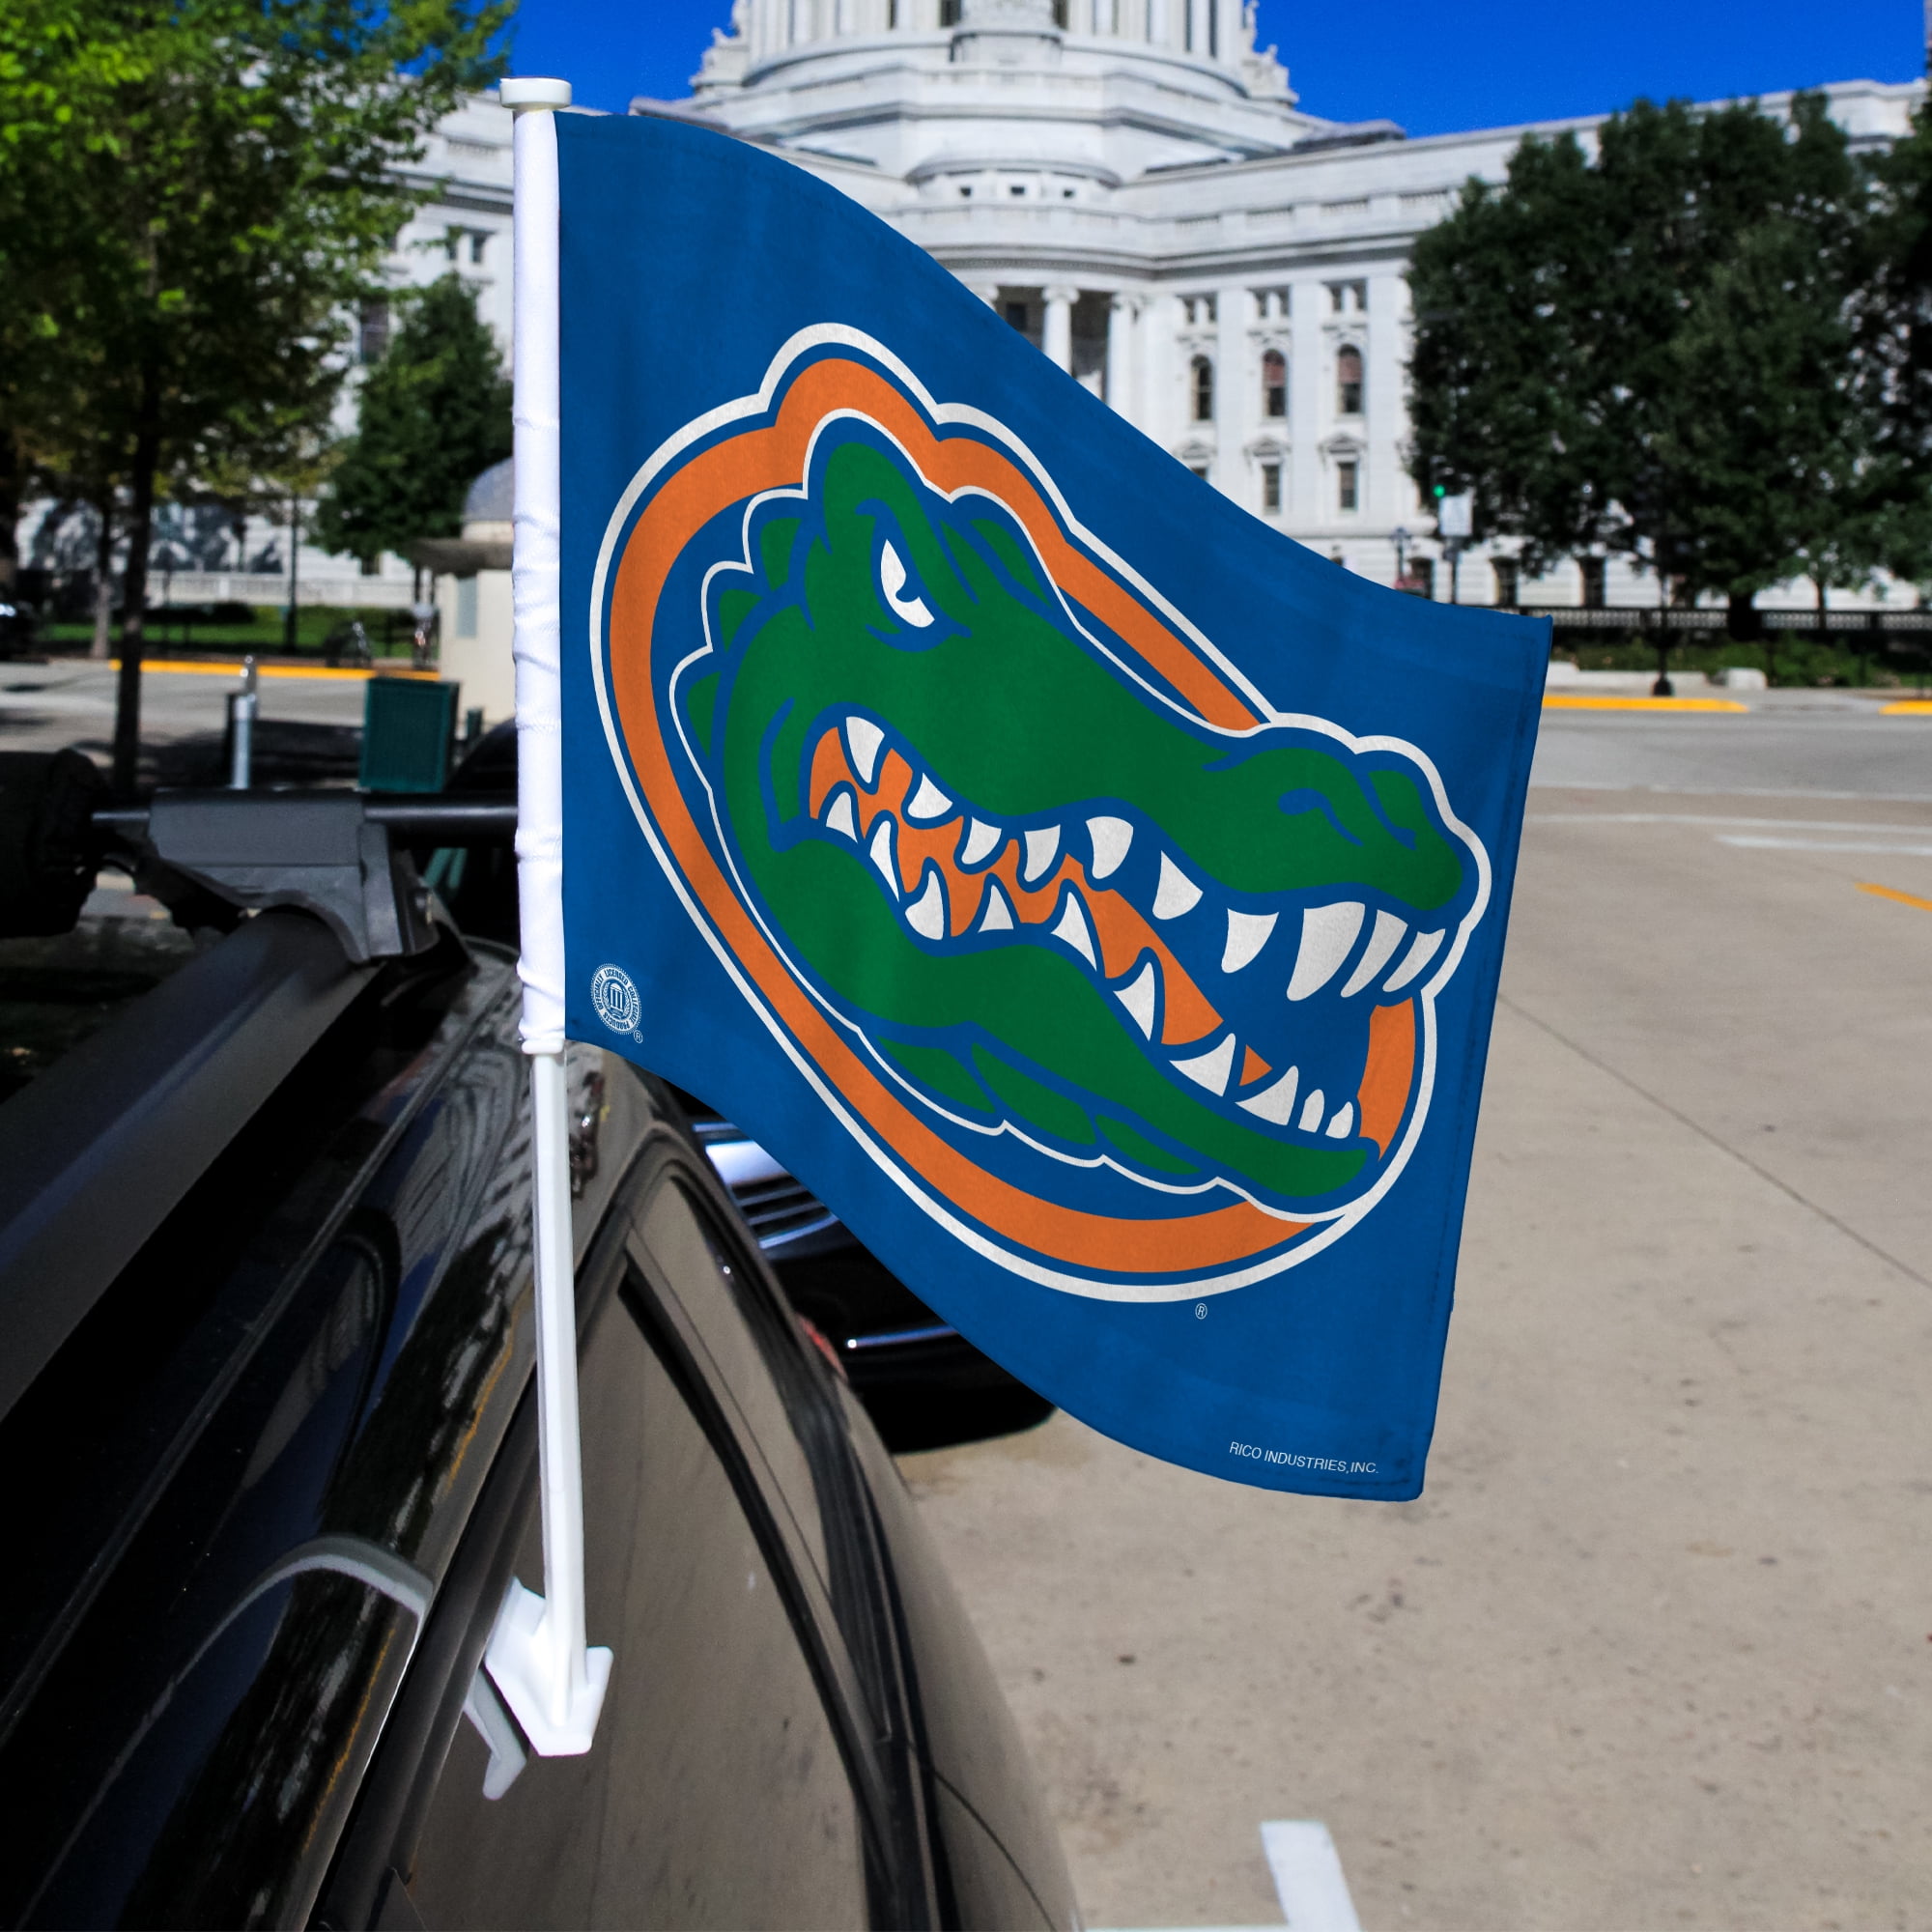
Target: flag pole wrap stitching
x,y
1181,1167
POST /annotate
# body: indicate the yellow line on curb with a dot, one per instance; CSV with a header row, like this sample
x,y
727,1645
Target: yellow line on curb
x,y
1888,892
183,668
1566,702
1907,707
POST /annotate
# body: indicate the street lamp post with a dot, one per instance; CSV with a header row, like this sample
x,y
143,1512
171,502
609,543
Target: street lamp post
x,y
294,558
1455,524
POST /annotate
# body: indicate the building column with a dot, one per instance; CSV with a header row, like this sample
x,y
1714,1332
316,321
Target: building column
x,y
1234,398
1121,314
1058,337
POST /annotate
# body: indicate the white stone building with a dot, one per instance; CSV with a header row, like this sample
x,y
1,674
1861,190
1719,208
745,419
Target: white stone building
x,y
1132,182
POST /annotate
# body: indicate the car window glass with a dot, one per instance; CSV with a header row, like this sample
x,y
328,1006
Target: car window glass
x,y
716,1793
756,1359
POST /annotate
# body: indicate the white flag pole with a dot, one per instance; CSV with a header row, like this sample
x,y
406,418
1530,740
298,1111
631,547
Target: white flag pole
x,y
537,1656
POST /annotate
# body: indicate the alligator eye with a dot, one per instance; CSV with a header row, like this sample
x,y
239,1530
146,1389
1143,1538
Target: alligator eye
x,y
912,610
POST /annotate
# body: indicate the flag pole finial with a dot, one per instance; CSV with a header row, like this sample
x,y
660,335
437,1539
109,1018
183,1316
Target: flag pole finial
x,y
524,93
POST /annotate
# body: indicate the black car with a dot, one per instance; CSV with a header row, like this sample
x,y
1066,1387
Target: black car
x,y
19,625
923,1382
268,1436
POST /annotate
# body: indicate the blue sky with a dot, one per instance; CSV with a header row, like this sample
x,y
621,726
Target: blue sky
x,y
1432,66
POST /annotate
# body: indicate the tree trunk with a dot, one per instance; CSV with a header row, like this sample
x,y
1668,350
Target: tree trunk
x,y
103,580
1743,620
10,509
134,592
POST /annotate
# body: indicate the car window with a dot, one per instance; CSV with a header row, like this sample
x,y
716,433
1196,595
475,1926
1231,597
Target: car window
x,y
784,1403
716,1793
713,1286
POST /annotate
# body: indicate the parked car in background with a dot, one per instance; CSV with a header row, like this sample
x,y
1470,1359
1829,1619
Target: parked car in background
x,y
924,1383
19,626
267,1436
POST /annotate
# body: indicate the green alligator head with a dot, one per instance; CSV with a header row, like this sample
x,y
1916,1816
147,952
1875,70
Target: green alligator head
x,y
1054,904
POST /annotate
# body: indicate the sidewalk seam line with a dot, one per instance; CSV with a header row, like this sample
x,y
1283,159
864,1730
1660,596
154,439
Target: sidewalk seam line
x,y
1704,1133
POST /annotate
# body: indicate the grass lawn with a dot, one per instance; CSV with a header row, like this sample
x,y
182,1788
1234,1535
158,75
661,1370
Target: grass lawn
x,y
170,631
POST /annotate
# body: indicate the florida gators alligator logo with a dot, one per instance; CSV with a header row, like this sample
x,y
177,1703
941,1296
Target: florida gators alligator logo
x,y
1125,976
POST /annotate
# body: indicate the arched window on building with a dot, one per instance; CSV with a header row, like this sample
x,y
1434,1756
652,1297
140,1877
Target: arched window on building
x,y
1348,382
1274,383
1201,374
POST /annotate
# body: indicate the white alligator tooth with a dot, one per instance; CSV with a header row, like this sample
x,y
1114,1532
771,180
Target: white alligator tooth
x,y
1344,1122
881,851
999,915
1210,1070
927,915
1072,927
1247,933
1420,954
1111,839
840,819
1276,1103
928,803
981,841
1175,893
1138,996
1040,846
1312,1110
1382,942
863,739
1327,933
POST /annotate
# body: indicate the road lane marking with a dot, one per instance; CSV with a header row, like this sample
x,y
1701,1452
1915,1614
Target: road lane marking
x,y
1907,707
1889,892
1825,846
1567,701
1308,1876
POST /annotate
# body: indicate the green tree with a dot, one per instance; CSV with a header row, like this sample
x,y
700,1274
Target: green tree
x,y
225,173
432,414
1499,401
1653,350
1896,338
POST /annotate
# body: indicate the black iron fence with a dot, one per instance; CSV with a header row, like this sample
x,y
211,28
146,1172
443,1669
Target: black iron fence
x,y
1812,623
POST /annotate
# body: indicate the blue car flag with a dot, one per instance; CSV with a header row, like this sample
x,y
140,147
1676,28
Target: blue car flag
x,y
1093,896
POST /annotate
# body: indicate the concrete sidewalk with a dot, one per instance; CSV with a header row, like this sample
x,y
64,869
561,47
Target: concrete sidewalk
x,y
1654,1648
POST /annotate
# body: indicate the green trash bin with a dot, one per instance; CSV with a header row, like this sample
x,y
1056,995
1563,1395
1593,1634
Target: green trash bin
x,y
409,725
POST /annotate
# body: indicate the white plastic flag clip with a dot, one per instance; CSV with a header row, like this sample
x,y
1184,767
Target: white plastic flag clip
x,y
537,1656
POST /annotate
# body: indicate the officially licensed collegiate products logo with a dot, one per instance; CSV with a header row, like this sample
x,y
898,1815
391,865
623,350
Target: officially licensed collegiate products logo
x,y
1124,969
614,996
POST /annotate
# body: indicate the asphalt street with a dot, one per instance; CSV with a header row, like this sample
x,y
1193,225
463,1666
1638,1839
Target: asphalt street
x,y
306,729
1655,1647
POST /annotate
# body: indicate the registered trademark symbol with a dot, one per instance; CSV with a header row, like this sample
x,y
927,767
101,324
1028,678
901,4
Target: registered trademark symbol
x,y
1199,1311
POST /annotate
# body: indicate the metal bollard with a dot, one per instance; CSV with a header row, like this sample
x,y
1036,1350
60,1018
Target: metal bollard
x,y
241,728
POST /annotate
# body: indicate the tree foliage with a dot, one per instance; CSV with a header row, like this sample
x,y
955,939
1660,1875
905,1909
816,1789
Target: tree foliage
x,y
1653,349
432,414
1895,341
194,197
